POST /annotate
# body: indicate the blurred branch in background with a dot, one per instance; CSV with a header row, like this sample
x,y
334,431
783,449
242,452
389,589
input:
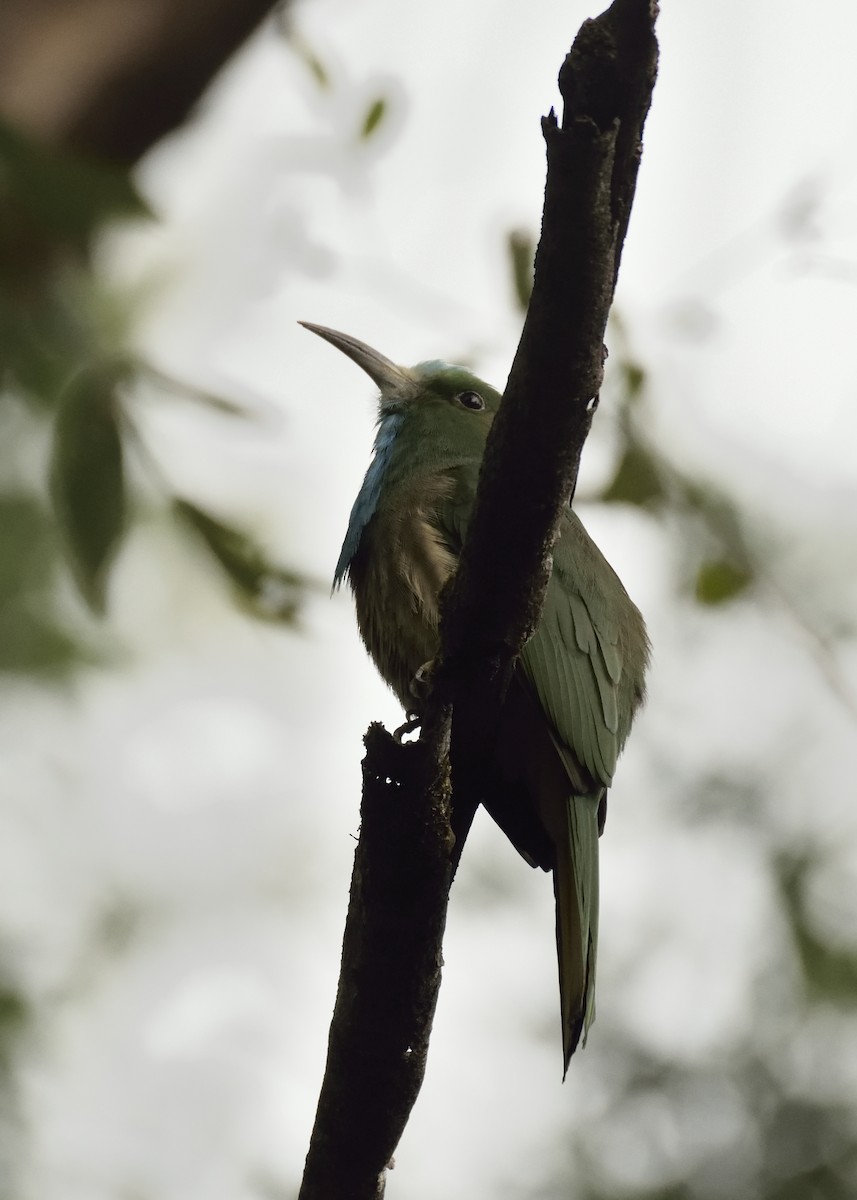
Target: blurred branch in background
x,y
85,89
108,78
69,371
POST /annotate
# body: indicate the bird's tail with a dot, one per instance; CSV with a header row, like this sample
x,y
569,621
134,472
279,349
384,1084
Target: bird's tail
x,y
576,891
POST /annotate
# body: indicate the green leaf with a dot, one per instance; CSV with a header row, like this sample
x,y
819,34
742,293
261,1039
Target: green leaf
x,y
375,114
317,69
32,643
270,591
830,971
521,247
87,476
57,193
636,481
305,51
189,391
633,378
720,580
32,640
13,1011
38,344
28,547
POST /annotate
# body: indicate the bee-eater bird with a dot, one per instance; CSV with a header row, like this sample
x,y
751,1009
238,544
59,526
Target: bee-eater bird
x,y
579,679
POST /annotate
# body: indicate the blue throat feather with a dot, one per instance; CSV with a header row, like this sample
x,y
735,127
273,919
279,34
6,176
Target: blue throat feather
x,y
367,498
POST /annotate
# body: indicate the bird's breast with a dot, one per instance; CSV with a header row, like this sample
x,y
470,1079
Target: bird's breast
x,y
397,574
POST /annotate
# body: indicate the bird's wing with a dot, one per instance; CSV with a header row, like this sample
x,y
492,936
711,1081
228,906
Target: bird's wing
x,y
572,666
573,661
454,504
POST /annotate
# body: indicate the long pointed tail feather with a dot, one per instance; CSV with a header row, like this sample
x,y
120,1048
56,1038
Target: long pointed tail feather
x,y
576,891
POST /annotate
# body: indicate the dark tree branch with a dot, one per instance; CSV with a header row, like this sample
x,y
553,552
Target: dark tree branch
x,y
391,961
383,1010
531,461
108,78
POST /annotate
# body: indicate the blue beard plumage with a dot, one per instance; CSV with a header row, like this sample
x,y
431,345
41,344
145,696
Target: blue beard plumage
x,y
364,506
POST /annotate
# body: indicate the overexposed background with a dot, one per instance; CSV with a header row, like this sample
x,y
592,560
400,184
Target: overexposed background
x,y
177,824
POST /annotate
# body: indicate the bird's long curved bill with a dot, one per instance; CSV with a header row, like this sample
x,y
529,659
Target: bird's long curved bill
x,y
388,377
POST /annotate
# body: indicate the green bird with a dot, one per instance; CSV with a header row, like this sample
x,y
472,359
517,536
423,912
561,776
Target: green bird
x,y
579,679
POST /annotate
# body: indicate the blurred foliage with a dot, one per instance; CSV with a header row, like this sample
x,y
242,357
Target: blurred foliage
x,y
87,475
718,564
14,1026
330,78
829,970
521,255
375,114
265,590
53,201
772,1113
726,1128
67,432
719,580
67,369
636,479
302,48
33,638
741,1123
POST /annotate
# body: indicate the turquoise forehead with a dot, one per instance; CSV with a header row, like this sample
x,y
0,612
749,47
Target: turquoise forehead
x,y
448,376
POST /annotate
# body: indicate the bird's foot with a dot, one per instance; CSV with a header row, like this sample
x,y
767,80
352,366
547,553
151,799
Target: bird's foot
x,y
421,683
413,722
420,686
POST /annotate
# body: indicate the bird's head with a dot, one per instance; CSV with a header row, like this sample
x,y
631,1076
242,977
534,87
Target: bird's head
x,y
435,392
431,418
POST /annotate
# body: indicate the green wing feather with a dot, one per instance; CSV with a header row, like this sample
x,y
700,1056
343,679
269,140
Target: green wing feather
x,y
585,665
573,662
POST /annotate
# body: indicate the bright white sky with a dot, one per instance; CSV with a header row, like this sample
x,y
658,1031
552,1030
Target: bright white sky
x,y
207,791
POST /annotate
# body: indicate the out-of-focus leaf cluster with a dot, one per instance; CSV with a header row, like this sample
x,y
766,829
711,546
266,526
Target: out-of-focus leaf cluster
x,y
265,590
829,968
521,255
772,1113
14,1022
33,637
88,478
372,113
726,1128
52,206
765,1118
762,1117
67,377
718,565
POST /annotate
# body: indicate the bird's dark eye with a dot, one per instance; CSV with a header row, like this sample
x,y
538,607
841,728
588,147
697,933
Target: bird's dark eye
x,y
471,400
